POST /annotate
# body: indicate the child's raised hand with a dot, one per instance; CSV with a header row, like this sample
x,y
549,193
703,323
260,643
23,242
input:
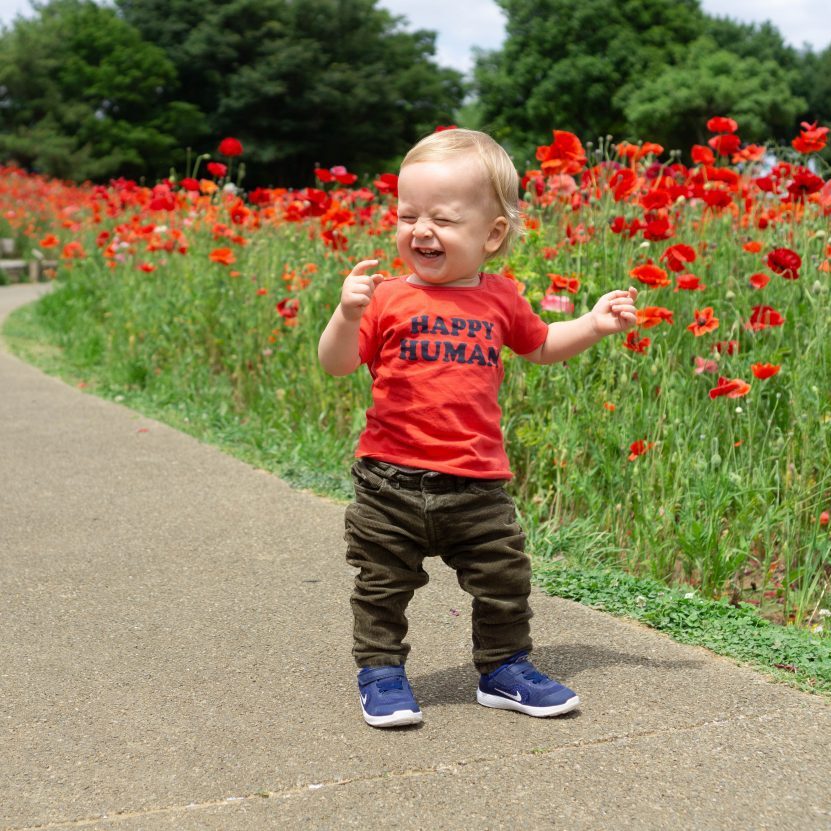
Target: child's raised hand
x,y
615,312
358,289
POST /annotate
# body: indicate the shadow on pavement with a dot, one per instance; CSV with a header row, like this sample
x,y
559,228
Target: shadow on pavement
x,y
455,685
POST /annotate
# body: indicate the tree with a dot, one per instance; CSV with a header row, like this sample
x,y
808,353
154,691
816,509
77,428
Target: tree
x,y
570,66
674,106
81,95
317,82
815,86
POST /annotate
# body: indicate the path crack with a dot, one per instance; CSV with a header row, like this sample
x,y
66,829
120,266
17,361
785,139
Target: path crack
x,y
450,767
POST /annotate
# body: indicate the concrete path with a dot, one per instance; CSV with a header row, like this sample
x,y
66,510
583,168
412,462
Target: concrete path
x,y
174,654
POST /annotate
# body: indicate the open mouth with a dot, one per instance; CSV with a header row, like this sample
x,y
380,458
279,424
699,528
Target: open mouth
x,y
428,253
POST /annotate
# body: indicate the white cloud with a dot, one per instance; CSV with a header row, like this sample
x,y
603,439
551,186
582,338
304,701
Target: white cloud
x,y
9,10
799,21
460,26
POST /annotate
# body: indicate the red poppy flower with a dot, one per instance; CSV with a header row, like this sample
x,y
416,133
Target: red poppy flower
x,y
657,229
752,247
704,322
677,256
717,197
651,316
570,284
260,196
638,448
749,153
803,184
725,144
655,199
73,251
650,275
632,343
288,308
618,225
224,256
442,127
811,139
622,183
763,371
230,147
764,316
342,176
785,262
564,155
702,155
721,124
729,347
49,241
217,169
688,282
734,388
759,281
650,148
387,183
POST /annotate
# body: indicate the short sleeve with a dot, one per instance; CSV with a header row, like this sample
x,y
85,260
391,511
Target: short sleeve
x,y
528,330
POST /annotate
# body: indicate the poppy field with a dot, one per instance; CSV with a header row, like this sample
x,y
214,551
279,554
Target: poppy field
x,y
695,449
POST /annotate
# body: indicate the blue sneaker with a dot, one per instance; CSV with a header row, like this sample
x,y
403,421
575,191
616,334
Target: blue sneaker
x,y
519,685
386,697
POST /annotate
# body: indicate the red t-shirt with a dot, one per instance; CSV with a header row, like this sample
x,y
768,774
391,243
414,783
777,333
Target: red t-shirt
x,y
433,353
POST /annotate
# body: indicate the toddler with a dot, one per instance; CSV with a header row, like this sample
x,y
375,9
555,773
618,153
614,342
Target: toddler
x,y
431,464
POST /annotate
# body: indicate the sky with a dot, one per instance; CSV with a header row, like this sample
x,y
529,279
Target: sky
x,y
464,25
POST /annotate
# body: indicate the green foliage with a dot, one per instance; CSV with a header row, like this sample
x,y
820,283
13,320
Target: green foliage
x,y
815,86
737,631
81,95
672,107
322,82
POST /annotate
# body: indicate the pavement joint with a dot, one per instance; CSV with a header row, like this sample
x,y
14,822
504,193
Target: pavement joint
x,y
452,768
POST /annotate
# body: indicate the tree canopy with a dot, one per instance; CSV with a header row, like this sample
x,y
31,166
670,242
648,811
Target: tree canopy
x,y
318,82
642,69
82,95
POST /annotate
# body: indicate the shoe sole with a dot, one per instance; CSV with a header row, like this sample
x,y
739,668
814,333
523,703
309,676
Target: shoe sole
x,y
500,703
397,719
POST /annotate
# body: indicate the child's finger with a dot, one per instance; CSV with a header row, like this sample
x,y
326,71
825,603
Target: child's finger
x,y
359,268
377,278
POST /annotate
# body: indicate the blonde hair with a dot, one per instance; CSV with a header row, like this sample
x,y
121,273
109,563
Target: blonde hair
x,y
498,168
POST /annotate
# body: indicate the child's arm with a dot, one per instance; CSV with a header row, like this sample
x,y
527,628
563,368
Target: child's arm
x,y
337,350
612,314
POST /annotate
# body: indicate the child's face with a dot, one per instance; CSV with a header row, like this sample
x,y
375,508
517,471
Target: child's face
x,y
448,220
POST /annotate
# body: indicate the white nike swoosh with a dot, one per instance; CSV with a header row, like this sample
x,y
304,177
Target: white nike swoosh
x,y
515,696
364,698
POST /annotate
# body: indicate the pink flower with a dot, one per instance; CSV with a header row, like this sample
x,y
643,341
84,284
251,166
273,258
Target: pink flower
x,y
705,365
557,303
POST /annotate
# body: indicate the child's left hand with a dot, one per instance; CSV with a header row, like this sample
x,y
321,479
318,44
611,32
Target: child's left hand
x,y
615,312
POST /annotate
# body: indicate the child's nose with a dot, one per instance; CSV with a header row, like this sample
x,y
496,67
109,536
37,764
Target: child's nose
x,y
422,228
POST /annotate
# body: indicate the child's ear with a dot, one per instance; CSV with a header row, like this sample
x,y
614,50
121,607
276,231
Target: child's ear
x,y
497,233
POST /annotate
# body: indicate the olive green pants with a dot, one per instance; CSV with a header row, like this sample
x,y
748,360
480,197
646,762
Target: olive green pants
x,y
399,517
